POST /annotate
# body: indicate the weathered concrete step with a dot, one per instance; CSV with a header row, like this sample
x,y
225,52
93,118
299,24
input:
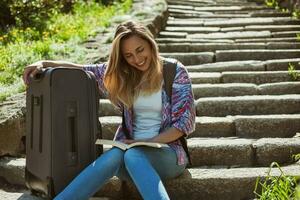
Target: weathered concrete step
x,y
215,183
185,23
162,40
254,21
191,58
256,54
242,152
169,34
273,27
230,41
282,39
257,77
231,8
208,184
217,8
192,29
227,35
255,126
209,3
247,65
202,29
26,195
14,195
282,34
198,47
240,89
239,152
248,105
269,13
206,15
107,109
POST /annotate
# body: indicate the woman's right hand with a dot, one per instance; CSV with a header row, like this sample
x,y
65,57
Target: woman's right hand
x,y
31,70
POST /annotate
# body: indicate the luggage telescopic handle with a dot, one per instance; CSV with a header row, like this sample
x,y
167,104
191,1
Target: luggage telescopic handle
x,y
72,133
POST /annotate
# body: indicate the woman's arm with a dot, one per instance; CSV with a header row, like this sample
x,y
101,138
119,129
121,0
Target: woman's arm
x,y
34,68
168,136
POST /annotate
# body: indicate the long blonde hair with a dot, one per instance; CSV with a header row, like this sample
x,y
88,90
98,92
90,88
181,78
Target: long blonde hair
x,y
124,82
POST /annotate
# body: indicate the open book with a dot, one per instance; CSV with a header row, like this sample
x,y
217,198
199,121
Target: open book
x,y
124,146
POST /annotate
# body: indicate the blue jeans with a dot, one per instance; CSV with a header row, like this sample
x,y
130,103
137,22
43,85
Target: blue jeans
x,y
145,166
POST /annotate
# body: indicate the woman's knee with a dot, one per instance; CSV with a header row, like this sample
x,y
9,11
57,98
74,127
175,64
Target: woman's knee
x,y
133,155
113,156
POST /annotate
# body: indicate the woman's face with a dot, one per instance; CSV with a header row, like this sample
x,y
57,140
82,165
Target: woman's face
x,y
137,52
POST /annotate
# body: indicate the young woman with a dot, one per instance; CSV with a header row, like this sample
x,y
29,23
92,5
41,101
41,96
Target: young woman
x,y
133,81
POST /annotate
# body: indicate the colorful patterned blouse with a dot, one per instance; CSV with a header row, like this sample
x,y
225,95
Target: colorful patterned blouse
x,y
181,114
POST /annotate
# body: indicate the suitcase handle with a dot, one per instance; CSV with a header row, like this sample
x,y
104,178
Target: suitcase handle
x,y
72,134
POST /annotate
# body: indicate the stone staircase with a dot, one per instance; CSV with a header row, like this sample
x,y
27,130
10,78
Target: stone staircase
x,y
248,107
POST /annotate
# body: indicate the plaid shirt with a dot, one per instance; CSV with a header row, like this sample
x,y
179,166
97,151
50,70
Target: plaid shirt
x,y
181,114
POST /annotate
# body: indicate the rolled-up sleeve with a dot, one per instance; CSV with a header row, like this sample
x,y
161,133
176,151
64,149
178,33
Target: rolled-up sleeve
x,y
98,70
183,105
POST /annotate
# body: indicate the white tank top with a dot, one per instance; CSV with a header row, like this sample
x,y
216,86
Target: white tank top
x,y
147,115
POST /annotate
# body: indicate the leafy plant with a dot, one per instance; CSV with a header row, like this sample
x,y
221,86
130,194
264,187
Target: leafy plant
x,y
280,187
293,73
60,39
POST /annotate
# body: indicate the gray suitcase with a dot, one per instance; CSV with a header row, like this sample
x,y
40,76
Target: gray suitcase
x,y
61,128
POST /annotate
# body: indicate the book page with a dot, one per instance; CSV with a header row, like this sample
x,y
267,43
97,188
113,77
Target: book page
x,y
112,143
124,146
150,144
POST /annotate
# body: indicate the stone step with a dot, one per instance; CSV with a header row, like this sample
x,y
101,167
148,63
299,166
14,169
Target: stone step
x,y
191,58
256,54
242,152
253,21
231,8
206,15
257,77
282,34
210,3
287,29
282,39
188,30
273,28
167,34
230,41
185,23
237,152
224,9
246,65
269,13
254,126
248,105
26,195
200,47
168,40
210,183
240,89
228,35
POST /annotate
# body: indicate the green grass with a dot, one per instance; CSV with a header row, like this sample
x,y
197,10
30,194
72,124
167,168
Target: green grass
x,y
280,187
61,39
